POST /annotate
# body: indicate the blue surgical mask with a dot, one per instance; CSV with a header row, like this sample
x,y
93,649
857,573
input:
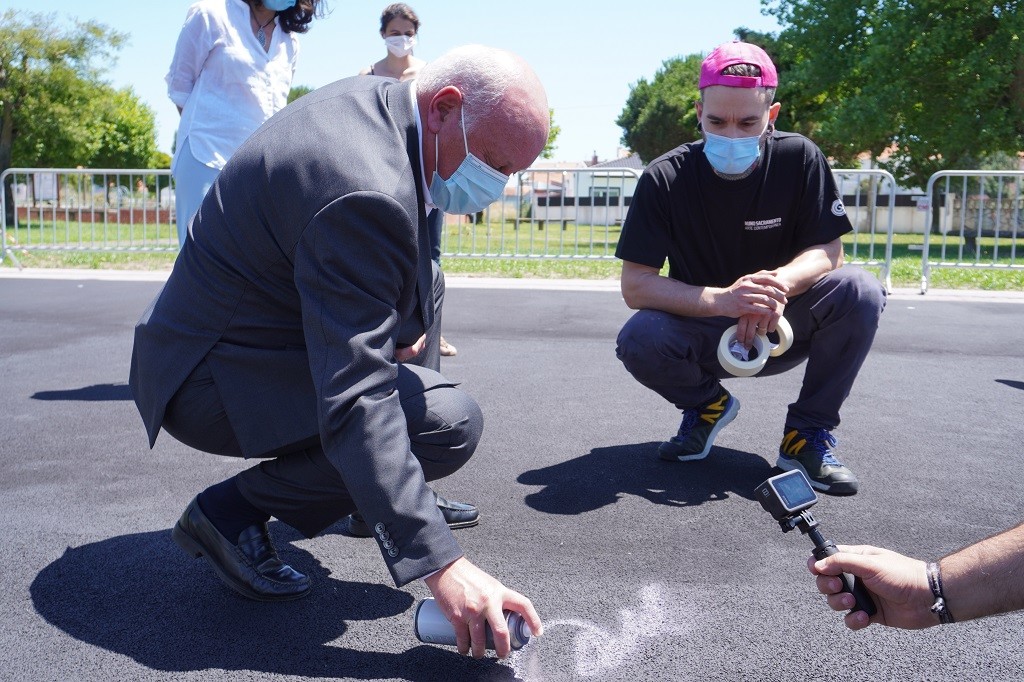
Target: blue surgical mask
x,y
732,155
279,5
472,187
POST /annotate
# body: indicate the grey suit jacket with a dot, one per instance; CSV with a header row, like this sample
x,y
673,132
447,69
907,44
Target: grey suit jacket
x,y
307,256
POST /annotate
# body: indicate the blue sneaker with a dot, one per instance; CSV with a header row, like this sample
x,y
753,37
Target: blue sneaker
x,y
699,427
810,451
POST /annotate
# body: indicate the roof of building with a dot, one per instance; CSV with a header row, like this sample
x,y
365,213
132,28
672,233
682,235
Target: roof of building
x,y
631,161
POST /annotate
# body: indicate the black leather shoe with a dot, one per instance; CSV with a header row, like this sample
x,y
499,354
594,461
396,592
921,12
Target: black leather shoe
x,y
456,514
251,568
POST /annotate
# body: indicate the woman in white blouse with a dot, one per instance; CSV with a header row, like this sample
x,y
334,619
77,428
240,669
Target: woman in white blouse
x,y
232,70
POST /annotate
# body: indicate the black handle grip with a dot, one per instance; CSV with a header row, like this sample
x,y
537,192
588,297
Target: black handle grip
x,y
854,586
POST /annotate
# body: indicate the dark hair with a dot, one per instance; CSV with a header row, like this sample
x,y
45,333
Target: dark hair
x,y
749,70
297,17
398,9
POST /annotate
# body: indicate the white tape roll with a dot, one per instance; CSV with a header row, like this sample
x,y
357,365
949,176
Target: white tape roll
x,y
785,333
763,347
742,368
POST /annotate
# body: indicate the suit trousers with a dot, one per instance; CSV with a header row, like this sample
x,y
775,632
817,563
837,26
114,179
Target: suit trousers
x,y
435,224
834,324
296,483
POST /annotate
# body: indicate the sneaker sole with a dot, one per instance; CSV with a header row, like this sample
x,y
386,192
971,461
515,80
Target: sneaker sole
x,y
844,488
730,414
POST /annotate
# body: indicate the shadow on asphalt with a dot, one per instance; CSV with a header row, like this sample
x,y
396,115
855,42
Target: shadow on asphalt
x,y
1011,383
606,474
95,392
140,596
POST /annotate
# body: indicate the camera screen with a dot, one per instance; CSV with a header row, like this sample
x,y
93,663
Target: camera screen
x,y
794,490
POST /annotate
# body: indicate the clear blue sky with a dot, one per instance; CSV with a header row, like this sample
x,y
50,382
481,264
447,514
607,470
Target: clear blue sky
x,y
586,53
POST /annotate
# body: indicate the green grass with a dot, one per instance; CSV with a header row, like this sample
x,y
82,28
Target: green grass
x,y
543,247
74,234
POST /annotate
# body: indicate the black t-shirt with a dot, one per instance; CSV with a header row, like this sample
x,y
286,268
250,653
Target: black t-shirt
x,y
713,231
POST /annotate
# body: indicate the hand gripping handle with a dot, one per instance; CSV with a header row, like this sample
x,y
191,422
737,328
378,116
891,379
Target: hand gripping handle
x,y
854,586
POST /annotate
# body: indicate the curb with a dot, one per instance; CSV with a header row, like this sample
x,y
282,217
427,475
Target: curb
x,y
462,282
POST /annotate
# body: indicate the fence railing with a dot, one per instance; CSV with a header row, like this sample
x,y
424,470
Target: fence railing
x,y
547,213
977,221
87,209
968,218
869,196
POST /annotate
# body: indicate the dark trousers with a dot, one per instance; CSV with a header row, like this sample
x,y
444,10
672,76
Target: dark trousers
x,y
834,323
430,356
296,483
435,223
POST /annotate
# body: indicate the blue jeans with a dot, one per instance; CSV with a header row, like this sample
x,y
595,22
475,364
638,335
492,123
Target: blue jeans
x,y
834,323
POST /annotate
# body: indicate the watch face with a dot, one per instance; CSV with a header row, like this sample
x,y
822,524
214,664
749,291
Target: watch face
x,y
793,490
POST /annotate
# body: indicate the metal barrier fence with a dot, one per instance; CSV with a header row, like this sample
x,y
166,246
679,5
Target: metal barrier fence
x,y
547,213
578,213
977,220
863,193
572,213
87,209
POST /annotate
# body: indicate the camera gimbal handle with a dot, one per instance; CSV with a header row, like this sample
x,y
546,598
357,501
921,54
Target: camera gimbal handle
x,y
823,548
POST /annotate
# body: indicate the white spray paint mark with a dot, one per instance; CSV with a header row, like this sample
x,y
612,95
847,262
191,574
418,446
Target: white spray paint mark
x,y
597,650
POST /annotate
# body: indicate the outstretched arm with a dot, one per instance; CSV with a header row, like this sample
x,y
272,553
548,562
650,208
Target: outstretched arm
x,y
471,599
984,579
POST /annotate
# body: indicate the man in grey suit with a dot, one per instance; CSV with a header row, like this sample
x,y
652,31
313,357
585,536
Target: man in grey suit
x,y
285,329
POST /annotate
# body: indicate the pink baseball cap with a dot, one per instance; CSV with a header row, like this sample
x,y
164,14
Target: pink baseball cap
x,y
728,54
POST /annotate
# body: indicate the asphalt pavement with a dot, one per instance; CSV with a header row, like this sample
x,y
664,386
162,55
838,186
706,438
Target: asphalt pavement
x,y
642,569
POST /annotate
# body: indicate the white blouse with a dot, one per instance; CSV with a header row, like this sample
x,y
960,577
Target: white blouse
x,y
224,82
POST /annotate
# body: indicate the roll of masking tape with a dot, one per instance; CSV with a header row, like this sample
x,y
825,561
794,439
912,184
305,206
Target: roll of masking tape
x,y
762,347
785,333
737,366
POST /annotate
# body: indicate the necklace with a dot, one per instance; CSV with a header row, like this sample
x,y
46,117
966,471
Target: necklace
x,y
261,35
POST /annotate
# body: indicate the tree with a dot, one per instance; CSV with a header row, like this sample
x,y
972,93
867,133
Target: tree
x,y
553,132
122,132
160,160
55,109
660,115
298,91
937,83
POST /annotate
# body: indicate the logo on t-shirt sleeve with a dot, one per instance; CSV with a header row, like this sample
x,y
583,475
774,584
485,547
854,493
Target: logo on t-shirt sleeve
x,y
837,208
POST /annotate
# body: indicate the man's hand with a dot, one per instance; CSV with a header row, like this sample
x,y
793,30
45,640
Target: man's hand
x,y
898,585
409,352
469,598
758,300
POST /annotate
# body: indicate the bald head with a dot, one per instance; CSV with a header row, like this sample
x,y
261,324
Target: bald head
x,y
500,98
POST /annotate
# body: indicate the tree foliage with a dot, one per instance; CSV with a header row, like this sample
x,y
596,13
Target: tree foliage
x,y
925,84
937,83
298,91
660,115
55,109
123,132
554,130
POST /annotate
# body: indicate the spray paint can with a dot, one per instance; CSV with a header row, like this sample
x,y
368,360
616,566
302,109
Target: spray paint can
x,y
432,627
